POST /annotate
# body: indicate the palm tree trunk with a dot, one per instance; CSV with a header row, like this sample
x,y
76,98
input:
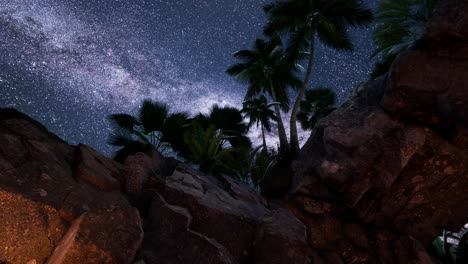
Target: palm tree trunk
x,y
283,139
264,140
293,126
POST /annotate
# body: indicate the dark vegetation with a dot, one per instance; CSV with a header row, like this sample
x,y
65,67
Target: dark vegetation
x,y
274,69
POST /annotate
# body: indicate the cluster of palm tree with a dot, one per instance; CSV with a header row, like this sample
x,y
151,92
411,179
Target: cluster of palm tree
x,y
153,128
216,142
275,70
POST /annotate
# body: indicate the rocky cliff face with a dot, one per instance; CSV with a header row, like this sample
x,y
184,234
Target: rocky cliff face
x,y
69,204
389,169
375,183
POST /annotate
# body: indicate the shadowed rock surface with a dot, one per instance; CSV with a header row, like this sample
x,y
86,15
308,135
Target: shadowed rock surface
x,y
388,170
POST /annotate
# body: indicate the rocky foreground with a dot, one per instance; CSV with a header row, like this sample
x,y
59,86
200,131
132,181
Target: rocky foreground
x,y
375,183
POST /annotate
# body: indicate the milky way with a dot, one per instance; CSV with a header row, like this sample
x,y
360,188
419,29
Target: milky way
x,y
71,63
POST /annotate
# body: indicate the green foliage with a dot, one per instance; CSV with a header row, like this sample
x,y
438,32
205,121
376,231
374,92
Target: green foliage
x,y
206,147
317,104
217,142
262,165
211,150
452,248
229,121
154,128
400,24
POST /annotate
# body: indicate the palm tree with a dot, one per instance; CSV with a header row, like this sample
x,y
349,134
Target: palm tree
x,y
229,121
401,23
259,113
317,104
154,128
306,19
266,71
209,149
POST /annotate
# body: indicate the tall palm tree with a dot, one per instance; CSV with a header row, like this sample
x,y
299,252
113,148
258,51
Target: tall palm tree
x,y
317,103
401,23
153,128
259,112
306,19
266,71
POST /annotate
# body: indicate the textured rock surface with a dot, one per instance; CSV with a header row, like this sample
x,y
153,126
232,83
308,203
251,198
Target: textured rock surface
x,y
282,238
429,84
222,215
96,169
382,175
138,168
63,204
40,198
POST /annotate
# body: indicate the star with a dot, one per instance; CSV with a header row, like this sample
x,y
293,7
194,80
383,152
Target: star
x,y
71,63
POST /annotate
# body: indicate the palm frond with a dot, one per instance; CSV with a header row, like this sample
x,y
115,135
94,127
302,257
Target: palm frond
x,y
124,121
333,36
152,115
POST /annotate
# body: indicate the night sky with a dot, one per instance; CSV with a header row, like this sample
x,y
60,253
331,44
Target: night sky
x,y
71,63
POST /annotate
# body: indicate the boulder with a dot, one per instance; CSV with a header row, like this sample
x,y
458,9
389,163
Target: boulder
x,y
382,175
97,170
282,238
172,240
428,84
40,199
337,237
138,168
219,213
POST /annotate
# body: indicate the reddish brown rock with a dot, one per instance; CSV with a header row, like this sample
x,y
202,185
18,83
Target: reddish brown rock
x,y
338,238
428,84
96,169
40,198
138,168
387,172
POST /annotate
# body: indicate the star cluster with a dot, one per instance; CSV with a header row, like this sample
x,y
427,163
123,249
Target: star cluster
x,y
71,63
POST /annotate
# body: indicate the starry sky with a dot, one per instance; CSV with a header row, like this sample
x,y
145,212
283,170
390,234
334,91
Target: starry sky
x,y
71,63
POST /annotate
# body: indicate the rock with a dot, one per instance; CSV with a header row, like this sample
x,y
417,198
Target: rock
x,y
172,239
282,238
138,167
382,175
428,84
338,238
200,208
390,173
460,138
108,235
40,198
96,169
